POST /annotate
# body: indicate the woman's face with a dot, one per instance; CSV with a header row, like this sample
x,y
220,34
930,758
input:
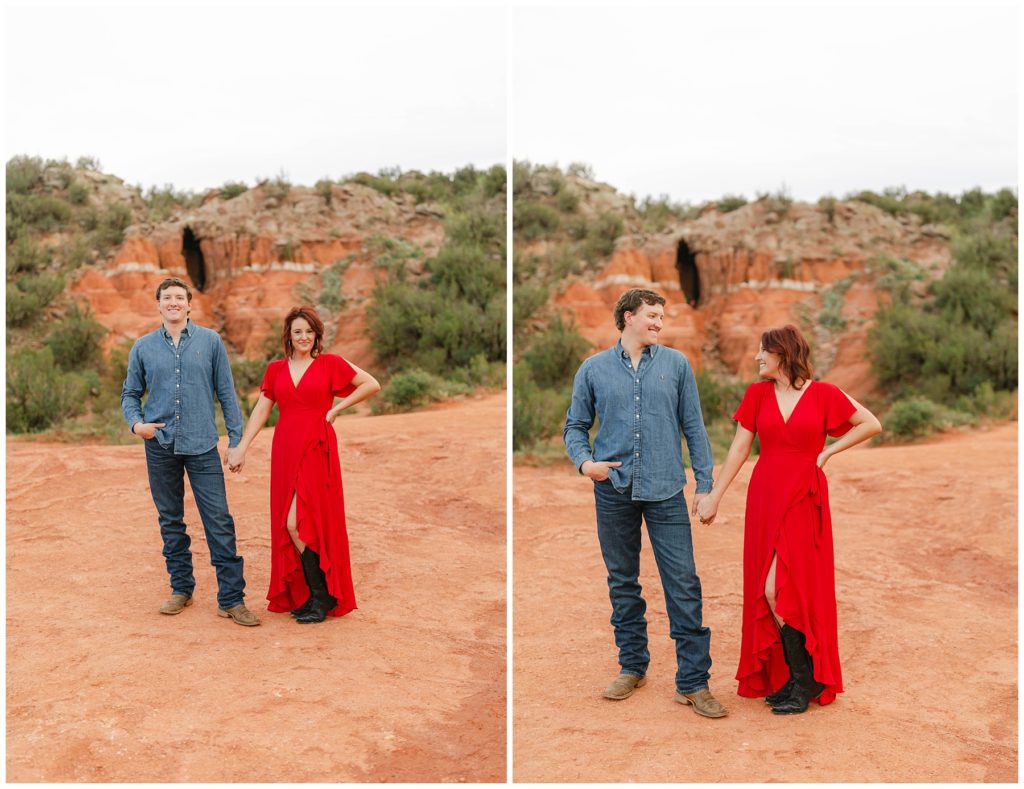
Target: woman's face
x,y
767,363
303,336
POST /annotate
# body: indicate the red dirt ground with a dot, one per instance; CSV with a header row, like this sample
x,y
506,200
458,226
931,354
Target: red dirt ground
x,y
926,574
410,687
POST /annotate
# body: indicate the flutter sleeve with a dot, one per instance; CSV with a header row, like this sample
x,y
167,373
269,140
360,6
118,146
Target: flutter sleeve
x,y
746,414
269,377
838,410
342,374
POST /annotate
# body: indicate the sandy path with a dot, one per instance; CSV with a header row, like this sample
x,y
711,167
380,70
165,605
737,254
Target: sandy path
x,y
926,549
411,687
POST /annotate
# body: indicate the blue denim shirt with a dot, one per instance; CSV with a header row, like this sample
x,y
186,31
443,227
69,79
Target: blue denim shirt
x,y
641,414
181,383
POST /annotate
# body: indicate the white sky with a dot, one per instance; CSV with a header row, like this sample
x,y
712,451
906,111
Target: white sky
x,y
196,95
685,99
697,101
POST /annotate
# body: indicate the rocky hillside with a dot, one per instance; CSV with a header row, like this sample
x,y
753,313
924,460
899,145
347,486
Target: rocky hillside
x,y
728,269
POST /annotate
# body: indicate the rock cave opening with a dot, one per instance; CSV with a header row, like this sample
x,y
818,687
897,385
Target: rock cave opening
x,y
689,276
195,264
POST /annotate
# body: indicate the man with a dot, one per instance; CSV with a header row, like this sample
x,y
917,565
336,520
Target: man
x,y
183,366
643,394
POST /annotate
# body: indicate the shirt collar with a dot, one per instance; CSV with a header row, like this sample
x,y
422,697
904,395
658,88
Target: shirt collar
x,y
186,330
650,350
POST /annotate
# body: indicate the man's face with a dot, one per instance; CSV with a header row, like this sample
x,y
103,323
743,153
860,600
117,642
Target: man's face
x,y
173,304
644,324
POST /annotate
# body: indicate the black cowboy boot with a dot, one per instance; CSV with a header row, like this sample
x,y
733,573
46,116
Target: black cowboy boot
x,y
801,668
783,692
304,608
320,600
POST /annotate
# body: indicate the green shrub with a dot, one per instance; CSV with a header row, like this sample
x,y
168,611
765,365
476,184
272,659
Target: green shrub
x,y
26,255
719,397
828,206
1004,205
537,413
29,294
325,188
330,295
568,200
527,298
916,417
410,389
76,251
554,355
24,173
41,212
38,394
730,203
477,224
601,236
76,339
534,220
232,189
78,192
831,315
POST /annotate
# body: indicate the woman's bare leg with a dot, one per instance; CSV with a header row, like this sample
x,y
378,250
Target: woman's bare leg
x,y
769,591
291,524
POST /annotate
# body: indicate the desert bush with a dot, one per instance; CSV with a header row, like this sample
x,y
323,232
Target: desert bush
x,y
29,294
831,315
601,235
828,206
232,189
76,251
27,255
568,199
330,295
325,188
1004,205
719,397
38,393
78,192
534,220
40,212
537,413
477,224
729,203
414,388
527,298
555,354
23,174
914,417
464,271
75,340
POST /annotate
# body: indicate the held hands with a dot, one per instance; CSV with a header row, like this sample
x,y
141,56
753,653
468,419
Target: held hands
x,y
597,470
234,459
705,507
147,430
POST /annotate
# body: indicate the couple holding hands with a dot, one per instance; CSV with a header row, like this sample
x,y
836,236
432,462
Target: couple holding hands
x,y
183,367
645,399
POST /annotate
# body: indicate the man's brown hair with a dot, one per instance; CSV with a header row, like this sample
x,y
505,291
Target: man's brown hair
x,y
631,300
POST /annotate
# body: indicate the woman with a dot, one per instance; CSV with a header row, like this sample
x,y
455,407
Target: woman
x,y
788,564
309,561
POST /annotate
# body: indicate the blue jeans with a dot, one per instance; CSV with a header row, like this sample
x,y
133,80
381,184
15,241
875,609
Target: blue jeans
x,y
167,484
668,525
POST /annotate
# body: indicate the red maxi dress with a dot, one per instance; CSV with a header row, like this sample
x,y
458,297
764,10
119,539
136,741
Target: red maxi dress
x,y
304,465
788,516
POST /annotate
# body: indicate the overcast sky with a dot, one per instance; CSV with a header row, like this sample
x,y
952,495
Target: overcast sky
x,y
685,99
697,101
196,95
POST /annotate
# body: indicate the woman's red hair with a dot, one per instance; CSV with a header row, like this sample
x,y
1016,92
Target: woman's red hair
x,y
794,351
